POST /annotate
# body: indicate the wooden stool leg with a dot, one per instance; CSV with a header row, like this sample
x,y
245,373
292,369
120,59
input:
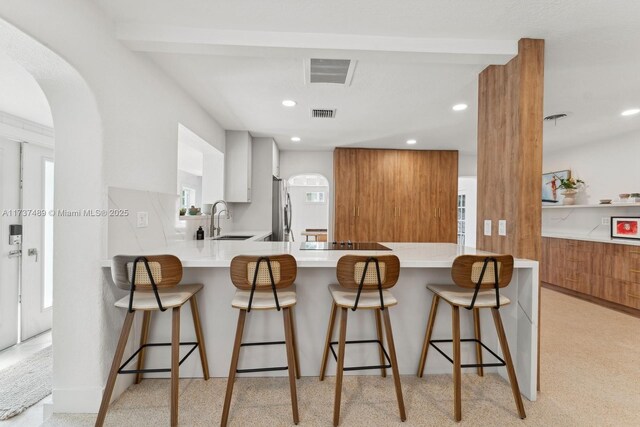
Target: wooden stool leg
x,y
427,336
288,338
234,365
144,335
394,363
476,327
175,364
504,345
115,365
339,369
325,354
294,341
376,313
457,369
199,337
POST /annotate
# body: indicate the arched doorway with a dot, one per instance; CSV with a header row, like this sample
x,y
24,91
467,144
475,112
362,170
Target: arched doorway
x,y
78,242
309,194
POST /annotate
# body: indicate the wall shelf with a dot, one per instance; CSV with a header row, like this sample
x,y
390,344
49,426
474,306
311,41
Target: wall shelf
x,y
612,205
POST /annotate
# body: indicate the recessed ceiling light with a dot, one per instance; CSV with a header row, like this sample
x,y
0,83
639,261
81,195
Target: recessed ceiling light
x,y
289,103
411,141
631,112
296,139
460,107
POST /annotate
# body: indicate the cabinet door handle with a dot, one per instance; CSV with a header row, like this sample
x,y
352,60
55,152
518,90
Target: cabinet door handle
x,y
354,211
358,209
634,252
633,295
634,271
573,260
570,280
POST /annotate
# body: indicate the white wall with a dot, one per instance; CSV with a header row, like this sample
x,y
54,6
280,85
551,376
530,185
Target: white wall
x,y
608,168
467,164
116,117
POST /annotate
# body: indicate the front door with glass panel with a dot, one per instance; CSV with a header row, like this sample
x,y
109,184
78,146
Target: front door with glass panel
x,y
37,246
10,255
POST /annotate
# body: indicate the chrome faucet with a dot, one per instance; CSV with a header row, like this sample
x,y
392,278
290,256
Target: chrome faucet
x,y
220,229
212,227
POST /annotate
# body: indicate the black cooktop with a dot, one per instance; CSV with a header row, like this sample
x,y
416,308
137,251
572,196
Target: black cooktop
x,y
343,246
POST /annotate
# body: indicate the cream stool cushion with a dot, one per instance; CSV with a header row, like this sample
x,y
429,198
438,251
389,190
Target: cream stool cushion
x,y
456,295
263,299
170,297
368,299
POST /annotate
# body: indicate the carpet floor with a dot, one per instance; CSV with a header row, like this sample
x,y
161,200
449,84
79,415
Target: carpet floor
x,y
590,377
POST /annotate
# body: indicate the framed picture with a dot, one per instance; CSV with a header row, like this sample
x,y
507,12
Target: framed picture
x,y
625,227
550,183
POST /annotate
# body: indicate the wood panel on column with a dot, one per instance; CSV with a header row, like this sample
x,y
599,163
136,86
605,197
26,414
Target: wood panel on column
x,y
510,152
345,188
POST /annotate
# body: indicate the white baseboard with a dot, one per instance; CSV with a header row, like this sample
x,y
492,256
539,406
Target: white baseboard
x,y
86,400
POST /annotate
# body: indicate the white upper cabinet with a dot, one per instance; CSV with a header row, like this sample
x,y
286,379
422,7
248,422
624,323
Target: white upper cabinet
x,y
237,162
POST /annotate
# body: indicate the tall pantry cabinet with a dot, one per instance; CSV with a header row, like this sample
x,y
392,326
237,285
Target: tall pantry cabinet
x,y
395,195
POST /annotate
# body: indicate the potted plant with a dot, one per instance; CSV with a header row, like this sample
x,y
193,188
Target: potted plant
x,y
570,187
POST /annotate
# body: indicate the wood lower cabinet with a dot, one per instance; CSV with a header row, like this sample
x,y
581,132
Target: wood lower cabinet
x,y
395,195
607,271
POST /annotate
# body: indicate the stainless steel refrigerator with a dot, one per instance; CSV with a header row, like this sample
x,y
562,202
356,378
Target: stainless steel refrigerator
x,y
281,215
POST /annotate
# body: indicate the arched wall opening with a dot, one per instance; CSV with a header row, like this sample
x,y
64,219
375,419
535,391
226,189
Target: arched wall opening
x,y
79,242
310,195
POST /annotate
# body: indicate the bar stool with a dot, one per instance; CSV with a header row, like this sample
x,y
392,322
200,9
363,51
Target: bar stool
x,y
484,276
264,283
153,284
363,284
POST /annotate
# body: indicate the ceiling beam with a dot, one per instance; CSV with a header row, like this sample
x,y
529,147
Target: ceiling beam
x,y
172,39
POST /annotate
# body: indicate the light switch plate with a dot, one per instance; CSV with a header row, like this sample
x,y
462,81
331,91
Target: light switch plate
x,y
487,227
502,227
606,220
142,219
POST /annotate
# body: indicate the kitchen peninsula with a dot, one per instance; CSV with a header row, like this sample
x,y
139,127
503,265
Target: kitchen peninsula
x,y
208,262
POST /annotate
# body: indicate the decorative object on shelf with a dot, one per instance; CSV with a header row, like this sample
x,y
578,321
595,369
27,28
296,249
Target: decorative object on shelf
x,y
624,196
570,187
183,211
605,201
194,211
633,195
625,227
550,183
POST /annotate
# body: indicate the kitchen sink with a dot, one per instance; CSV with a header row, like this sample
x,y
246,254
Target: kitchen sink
x,y
232,237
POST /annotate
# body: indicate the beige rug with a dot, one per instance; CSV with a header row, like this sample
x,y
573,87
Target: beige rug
x,y
25,383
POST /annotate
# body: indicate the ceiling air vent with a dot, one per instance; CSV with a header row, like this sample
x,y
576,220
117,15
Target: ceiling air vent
x,y
323,113
337,71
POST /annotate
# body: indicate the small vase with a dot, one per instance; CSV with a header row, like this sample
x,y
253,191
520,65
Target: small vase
x,y
569,197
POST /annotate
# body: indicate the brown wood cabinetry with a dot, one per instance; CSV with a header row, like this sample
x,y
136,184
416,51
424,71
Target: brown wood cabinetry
x,y
395,195
606,271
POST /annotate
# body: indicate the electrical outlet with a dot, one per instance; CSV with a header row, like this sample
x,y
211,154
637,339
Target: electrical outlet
x,y
606,220
487,227
142,219
502,227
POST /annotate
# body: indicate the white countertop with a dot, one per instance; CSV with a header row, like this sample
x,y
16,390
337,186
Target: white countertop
x,y
215,253
588,238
